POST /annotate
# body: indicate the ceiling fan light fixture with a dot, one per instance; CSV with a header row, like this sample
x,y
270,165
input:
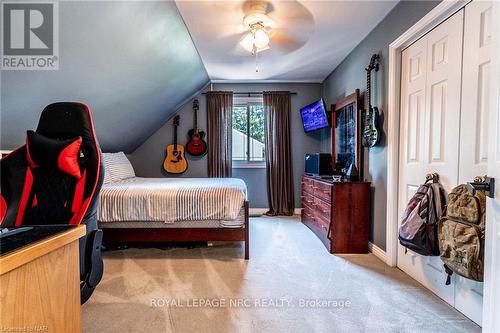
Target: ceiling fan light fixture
x,y
256,40
247,42
259,18
261,29
261,39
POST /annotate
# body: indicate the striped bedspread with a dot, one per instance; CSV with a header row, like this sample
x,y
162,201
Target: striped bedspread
x,y
172,199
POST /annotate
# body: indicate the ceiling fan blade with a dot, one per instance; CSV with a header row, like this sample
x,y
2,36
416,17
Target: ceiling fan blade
x,y
286,42
291,14
231,30
235,40
239,51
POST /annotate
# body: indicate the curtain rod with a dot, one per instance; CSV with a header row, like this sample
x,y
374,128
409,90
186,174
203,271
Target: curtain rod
x,y
251,93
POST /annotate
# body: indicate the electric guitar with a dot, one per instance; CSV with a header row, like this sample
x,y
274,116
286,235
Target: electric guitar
x,y
175,161
371,134
196,146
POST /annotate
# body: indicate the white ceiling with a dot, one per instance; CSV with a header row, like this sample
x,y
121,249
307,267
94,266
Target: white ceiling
x,y
328,31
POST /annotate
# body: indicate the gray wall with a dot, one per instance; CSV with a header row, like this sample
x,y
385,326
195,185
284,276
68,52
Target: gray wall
x,y
136,65
350,74
147,159
133,63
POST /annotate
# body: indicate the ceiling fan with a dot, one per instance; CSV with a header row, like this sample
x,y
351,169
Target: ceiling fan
x,y
285,26
260,28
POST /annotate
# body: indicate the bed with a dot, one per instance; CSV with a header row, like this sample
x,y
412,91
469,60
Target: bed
x,y
139,209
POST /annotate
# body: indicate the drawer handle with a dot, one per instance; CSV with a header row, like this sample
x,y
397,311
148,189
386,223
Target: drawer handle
x,y
323,191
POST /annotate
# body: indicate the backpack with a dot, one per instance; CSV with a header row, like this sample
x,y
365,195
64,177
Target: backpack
x,y
461,233
418,230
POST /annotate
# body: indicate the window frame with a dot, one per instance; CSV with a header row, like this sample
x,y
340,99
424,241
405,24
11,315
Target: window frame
x,y
247,164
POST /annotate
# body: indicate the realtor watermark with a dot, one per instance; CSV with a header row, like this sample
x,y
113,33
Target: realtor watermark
x,y
315,303
38,328
30,35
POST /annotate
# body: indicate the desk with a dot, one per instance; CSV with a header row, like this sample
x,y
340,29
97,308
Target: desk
x,y
40,285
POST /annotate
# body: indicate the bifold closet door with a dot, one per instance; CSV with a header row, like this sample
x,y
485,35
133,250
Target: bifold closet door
x,y
429,131
474,132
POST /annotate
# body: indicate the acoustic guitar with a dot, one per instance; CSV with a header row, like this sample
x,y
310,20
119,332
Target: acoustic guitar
x,y
175,161
196,146
371,134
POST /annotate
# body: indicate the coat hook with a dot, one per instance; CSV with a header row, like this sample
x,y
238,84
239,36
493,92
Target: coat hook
x,y
485,184
432,176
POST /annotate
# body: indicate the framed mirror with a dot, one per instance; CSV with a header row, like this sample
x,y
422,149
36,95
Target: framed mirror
x,y
346,133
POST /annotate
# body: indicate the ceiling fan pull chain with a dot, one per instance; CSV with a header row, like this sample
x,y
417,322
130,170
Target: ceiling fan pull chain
x,y
254,51
256,63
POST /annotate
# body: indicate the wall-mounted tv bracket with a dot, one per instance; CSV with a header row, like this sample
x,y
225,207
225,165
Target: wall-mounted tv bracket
x,y
485,184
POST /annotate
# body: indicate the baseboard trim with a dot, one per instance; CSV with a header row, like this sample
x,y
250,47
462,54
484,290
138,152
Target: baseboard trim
x,y
257,211
377,252
262,211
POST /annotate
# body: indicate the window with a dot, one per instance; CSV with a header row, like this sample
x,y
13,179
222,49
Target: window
x,y
248,133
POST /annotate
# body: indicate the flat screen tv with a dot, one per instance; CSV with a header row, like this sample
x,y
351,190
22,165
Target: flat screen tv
x,y
314,116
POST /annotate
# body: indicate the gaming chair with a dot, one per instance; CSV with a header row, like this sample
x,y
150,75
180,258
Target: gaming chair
x,y
55,178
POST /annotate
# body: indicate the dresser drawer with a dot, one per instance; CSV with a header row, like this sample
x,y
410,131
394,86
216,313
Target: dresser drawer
x,y
307,199
321,224
307,186
322,191
307,214
316,224
323,209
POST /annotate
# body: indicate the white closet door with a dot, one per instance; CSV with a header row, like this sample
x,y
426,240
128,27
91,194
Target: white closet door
x,y
475,90
491,321
430,121
474,136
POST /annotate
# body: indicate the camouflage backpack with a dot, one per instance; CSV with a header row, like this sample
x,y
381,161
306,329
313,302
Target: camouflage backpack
x,y
461,233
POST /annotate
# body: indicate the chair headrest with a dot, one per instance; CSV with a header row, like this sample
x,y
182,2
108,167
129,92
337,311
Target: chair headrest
x,y
66,120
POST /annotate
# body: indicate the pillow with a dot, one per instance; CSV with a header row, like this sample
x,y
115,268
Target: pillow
x,y
116,167
45,152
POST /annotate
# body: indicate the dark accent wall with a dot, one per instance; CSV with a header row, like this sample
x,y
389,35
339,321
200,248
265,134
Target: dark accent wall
x,y
350,74
147,159
132,62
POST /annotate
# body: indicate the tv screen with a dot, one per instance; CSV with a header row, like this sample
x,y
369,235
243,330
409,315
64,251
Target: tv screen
x,y
314,116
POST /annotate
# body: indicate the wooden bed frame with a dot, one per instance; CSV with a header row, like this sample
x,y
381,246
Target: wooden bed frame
x,y
141,235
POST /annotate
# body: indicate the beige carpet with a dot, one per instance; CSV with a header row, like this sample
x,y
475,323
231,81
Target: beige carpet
x,y
290,284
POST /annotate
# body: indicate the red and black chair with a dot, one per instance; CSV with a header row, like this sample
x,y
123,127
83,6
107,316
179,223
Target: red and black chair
x,y
55,178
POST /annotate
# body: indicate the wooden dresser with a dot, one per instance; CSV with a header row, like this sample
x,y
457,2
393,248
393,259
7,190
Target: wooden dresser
x,y
338,213
40,285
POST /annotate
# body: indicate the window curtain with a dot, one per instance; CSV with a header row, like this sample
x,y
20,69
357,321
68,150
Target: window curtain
x,y
280,190
219,109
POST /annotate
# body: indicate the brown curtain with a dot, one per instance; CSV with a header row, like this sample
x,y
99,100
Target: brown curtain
x,y
219,109
278,153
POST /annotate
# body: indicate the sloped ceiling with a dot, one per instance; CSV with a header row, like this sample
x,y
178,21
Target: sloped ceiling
x,y
133,63
311,39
